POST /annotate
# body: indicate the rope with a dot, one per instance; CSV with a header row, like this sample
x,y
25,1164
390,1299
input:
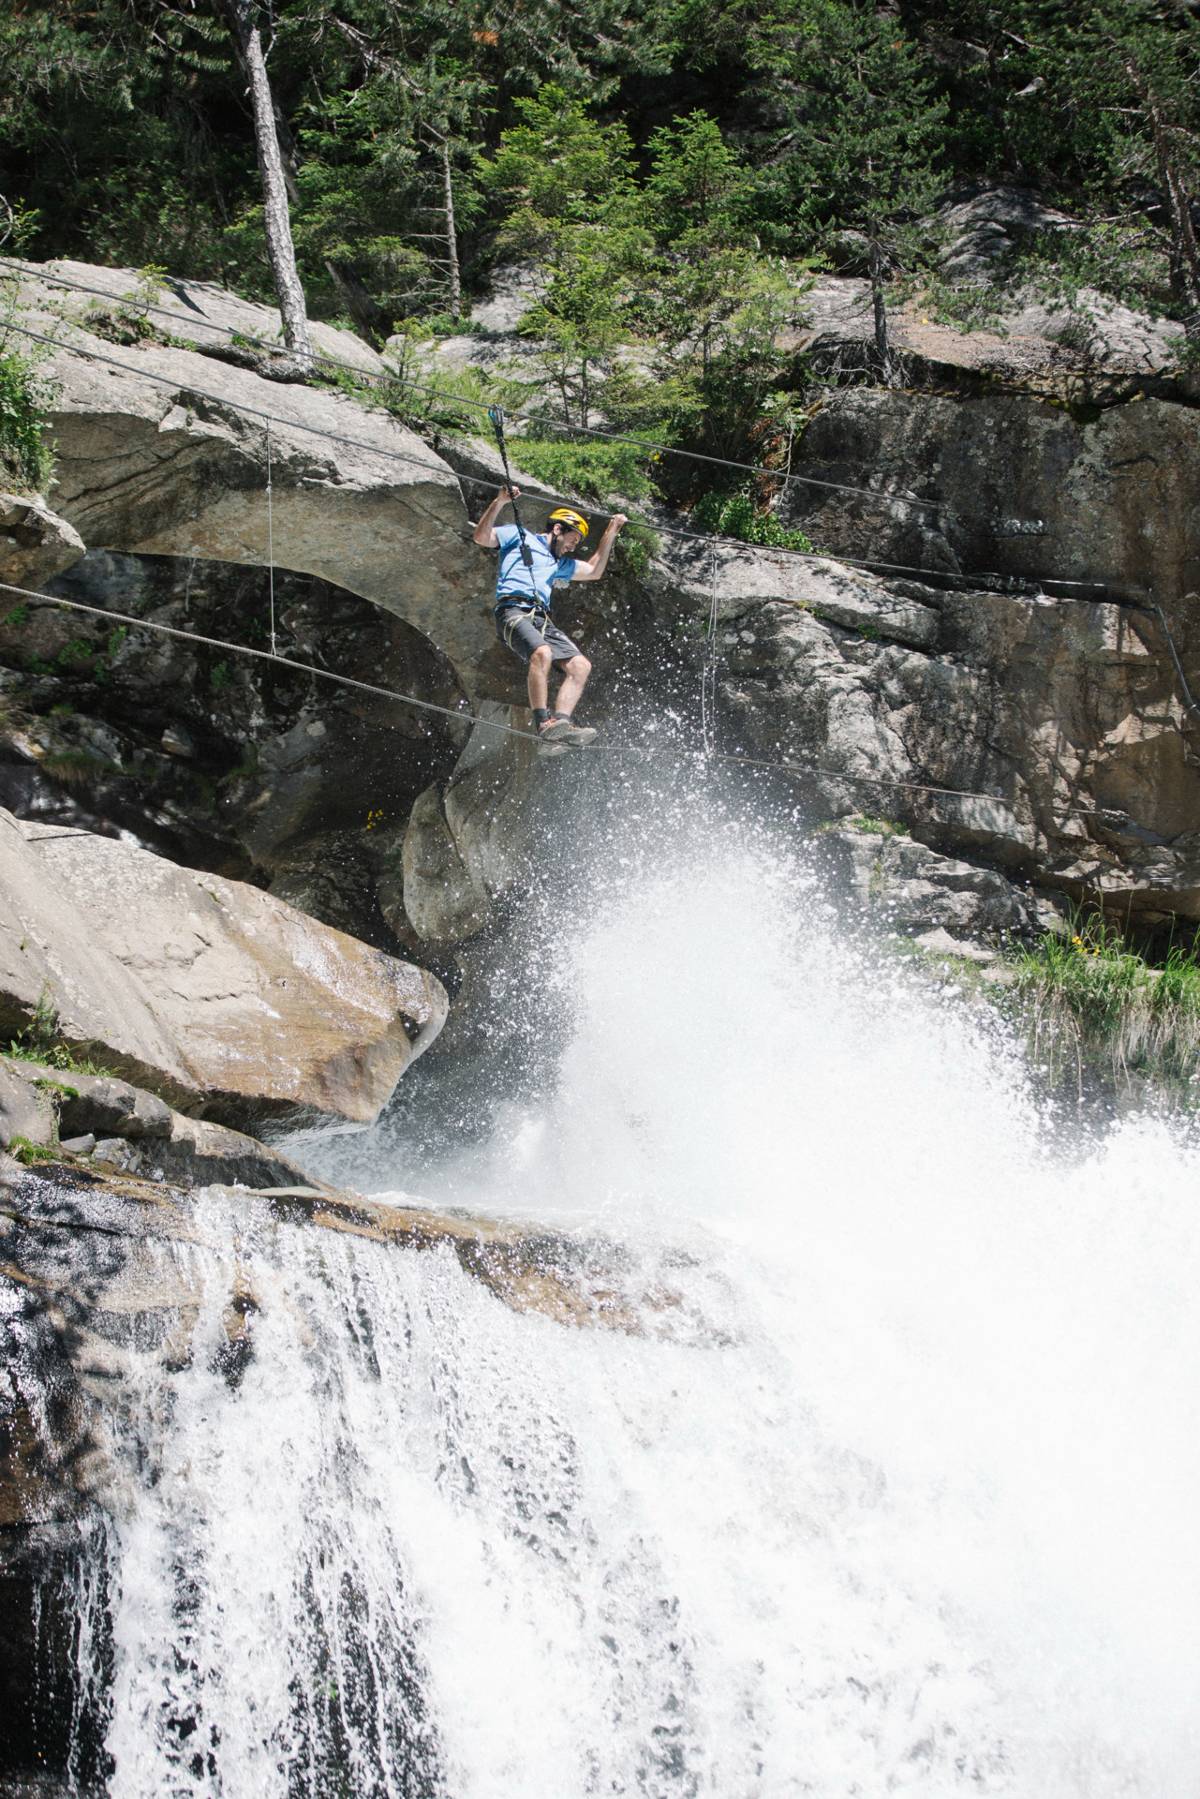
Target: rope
x,y
976,582
708,674
1189,700
270,543
496,415
536,418
462,717
532,418
468,717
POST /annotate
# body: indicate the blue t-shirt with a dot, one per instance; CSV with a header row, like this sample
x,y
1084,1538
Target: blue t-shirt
x,y
519,584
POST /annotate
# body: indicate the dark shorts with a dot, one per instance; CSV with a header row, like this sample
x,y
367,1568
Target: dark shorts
x,y
523,632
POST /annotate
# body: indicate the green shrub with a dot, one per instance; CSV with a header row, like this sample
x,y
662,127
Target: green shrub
x,y
594,468
26,459
30,1154
740,515
637,545
423,394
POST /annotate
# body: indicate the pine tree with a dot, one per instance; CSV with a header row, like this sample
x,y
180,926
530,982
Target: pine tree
x,y
858,139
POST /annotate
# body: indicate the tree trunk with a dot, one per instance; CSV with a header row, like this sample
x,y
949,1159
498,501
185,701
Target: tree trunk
x,y
1184,255
292,310
451,233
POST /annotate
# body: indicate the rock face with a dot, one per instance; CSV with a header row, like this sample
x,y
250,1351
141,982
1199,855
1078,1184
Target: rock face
x,y
1046,737
210,992
475,840
1011,483
117,1126
226,764
158,451
34,542
1057,726
941,902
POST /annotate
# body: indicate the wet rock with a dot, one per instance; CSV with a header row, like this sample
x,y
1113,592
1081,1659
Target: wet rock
x,y
78,1146
331,877
480,838
910,888
432,892
1047,737
210,992
199,1153
101,1104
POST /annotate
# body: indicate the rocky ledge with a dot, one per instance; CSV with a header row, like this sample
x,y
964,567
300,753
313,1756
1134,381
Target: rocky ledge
x,y
220,998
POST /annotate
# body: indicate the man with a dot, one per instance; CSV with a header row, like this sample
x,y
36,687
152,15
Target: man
x,y
524,595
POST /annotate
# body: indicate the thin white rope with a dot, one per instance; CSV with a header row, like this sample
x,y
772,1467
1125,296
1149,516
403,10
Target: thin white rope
x,y
708,674
467,717
1016,584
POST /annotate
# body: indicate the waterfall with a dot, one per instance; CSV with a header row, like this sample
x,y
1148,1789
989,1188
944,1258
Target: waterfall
x,y
887,1486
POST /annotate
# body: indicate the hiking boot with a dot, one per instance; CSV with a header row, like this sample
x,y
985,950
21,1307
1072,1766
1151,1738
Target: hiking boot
x,y
553,738
577,735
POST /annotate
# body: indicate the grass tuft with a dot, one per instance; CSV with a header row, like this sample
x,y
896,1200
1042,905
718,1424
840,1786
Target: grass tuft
x,y
1091,1000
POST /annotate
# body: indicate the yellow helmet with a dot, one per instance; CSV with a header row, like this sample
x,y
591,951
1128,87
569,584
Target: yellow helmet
x,y
576,520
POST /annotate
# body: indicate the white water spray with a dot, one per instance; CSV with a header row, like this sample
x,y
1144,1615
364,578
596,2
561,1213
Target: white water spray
x,y
912,1513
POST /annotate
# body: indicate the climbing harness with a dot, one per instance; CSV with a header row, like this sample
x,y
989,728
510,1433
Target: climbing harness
x,y
496,415
1009,584
467,717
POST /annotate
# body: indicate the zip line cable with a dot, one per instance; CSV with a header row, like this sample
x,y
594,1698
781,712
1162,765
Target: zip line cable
x,y
467,404
973,582
468,717
464,717
441,469
367,375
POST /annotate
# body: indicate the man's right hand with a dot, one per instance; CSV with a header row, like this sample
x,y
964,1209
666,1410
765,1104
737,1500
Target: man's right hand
x,y
509,493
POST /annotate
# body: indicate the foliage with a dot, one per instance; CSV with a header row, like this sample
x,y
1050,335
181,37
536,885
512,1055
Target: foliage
x,y
30,1154
26,458
41,1041
567,184
1090,996
429,396
637,545
594,468
672,164
740,515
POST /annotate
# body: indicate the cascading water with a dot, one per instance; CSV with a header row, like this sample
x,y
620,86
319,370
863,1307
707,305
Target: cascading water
x,y
910,1510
